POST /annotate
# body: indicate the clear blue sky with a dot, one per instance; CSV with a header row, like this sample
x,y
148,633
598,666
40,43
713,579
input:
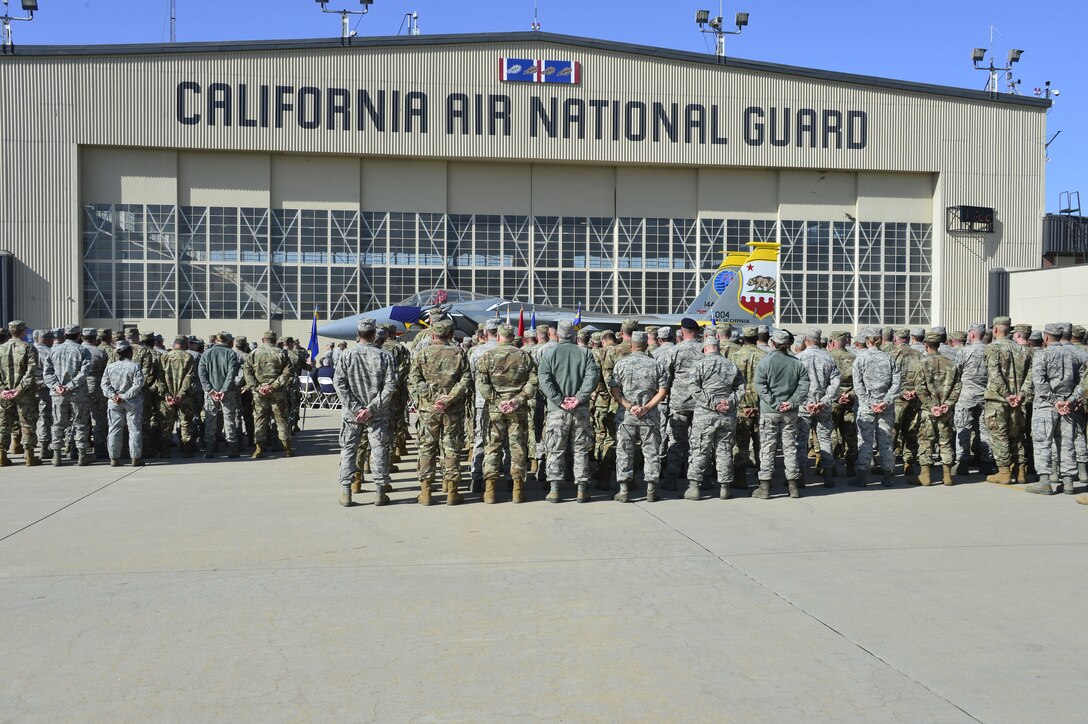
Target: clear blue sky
x,y
919,40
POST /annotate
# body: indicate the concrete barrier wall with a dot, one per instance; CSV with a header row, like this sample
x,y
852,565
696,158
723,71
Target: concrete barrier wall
x,y
1049,295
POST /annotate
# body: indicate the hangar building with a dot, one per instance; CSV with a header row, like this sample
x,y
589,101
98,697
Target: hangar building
x,y
193,187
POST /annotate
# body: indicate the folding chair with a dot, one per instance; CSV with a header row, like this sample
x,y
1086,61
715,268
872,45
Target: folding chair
x,y
329,399
309,390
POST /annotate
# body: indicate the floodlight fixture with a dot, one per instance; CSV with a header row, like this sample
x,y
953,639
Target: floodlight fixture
x,y
6,19
978,55
742,20
31,6
346,33
1012,85
702,17
1014,56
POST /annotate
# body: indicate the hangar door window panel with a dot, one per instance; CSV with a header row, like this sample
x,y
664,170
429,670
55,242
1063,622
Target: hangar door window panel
x,y
817,298
254,302
658,293
685,244
314,236
602,244
894,299
161,232
817,247
222,235
895,248
738,232
487,282
573,237
344,237
842,246
602,287
919,300
763,230
128,232
193,233
161,290
98,290
546,288
515,285
284,239
572,288
488,241
402,241
345,289
285,293
869,294
373,238
684,288
631,240
515,241
98,231
194,292
459,240
314,289
921,248
870,247
253,235
402,284
224,283
842,299
373,289
791,257
432,240
658,243
711,243
547,233
792,294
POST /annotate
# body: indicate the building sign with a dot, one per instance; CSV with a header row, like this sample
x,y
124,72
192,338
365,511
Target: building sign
x,y
574,118
531,70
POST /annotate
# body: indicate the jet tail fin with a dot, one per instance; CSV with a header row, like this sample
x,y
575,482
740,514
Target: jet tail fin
x,y
705,300
752,294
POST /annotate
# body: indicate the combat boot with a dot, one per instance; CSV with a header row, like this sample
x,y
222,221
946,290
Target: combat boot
x,y
382,498
453,495
5,461
31,459
908,470
924,476
115,463
692,493
288,452
1003,476
516,495
886,480
795,488
651,493
47,453
1040,488
583,494
356,483
233,450
17,449
947,475
763,491
366,465
553,493
861,480
345,497
1082,472
137,462
533,466
489,491
258,452
84,459
58,459
1070,486
851,471
1015,472
724,493
424,493
622,496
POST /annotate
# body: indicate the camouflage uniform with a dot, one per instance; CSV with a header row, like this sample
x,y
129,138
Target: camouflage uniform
x,y
365,378
969,408
507,373
908,412
876,379
243,419
67,366
479,411
45,403
824,381
567,370
941,386
603,412
680,363
1057,373
605,449
19,371
779,378
716,379
124,379
440,370
1006,375
540,411
178,373
844,417
99,414
638,378
747,358
402,359
220,371
268,365
151,368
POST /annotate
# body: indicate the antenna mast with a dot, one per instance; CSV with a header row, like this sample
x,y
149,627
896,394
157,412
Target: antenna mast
x,y
173,21
536,15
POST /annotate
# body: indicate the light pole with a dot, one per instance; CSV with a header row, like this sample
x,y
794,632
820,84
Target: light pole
x,y
30,6
978,55
346,33
713,26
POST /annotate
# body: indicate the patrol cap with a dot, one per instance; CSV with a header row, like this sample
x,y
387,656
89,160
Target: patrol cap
x,y
366,325
565,330
132,333
288,340
838,336
780,337
1054,329
958,335
271,334
105,332
43,333
870,333
1067,328
1002,321
940,330
1078,331
541,329
595,337
902,332
689,323
181,339
441,328
90,332
724,332
506,330
158,337
664,333
711,339
492,325
240,341
122,345
750,332
1036,336
149,338
763,329
978,329
381,332
16,326
1024,330
72,329
814,333
629,325
651,330
917,331
638,337
934,338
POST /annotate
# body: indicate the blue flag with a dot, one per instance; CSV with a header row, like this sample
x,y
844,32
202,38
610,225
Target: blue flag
x,y
532,320
313,345
578,316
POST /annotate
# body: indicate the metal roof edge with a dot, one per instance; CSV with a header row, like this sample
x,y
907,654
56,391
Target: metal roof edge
x,y
520,37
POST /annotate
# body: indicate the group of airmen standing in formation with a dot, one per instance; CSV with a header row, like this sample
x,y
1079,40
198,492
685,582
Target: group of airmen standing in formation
x,y
75,393
714,403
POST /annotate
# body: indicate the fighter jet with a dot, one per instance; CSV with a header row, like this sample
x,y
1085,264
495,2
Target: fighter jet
x,y
741,292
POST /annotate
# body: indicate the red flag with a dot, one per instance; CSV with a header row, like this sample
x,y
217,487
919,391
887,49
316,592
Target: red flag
x,y
521,322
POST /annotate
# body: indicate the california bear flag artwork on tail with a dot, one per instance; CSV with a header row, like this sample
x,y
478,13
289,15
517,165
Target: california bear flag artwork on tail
x,y
751,293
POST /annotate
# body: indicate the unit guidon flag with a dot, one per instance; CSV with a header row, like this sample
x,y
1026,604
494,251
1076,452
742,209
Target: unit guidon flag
x,y
532,70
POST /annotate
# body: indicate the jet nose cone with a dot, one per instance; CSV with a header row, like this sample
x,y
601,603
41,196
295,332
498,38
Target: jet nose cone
x,y
340,328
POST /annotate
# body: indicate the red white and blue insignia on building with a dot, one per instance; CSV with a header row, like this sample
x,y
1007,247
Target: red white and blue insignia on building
x,y
534,70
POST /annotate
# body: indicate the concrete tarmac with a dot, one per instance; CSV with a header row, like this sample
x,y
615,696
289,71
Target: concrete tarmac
x,y
240,591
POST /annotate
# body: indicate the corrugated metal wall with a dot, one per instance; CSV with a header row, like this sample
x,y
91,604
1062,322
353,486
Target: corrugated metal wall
x,y
986,153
